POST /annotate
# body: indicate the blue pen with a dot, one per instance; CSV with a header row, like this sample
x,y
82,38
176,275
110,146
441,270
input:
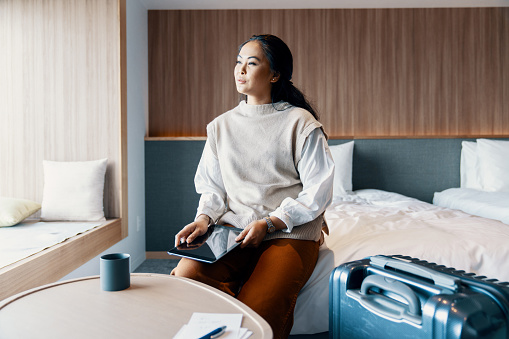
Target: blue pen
x,y
215,333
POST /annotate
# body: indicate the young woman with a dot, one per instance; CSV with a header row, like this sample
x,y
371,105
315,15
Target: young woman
x,y
265,168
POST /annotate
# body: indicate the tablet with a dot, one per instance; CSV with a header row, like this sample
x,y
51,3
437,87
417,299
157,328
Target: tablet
x,y
211,246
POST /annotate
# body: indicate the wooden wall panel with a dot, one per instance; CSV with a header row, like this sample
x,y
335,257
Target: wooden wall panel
x,y
196,51
369,72
458,67
382,75
61,92
185,98
502,119
437,72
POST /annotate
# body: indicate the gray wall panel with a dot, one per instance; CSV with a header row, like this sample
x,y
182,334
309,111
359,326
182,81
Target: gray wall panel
x,y
170,196
413,167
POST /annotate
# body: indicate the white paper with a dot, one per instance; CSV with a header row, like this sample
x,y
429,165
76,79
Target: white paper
x,y
203,323
180,333
244,333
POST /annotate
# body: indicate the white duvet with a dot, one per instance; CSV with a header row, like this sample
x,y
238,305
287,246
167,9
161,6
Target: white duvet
x,y
371,222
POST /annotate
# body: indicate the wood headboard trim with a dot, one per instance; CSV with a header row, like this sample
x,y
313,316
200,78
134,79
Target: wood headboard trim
x,y
503,136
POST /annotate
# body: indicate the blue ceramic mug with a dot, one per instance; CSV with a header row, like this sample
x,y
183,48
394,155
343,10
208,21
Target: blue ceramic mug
x,y
115,271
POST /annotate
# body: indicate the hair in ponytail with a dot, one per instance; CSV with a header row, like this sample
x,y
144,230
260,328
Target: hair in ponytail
x,y
281,62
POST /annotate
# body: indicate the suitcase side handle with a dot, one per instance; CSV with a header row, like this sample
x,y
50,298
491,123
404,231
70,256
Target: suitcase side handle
x,y
439,279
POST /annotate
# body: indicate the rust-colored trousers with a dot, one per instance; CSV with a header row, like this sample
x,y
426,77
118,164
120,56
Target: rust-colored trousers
x,y
268,279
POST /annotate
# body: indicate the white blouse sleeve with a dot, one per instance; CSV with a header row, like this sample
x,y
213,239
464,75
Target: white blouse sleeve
x,y
316,169
209,183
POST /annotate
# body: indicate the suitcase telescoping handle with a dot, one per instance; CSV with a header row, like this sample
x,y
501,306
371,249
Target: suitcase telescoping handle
x,y
439,279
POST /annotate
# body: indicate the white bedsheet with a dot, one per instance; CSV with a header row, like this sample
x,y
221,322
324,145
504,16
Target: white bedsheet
x,y
371,222
493,205
28,238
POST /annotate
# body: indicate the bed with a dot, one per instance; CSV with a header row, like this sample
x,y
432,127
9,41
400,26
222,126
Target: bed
x,y
466,228
370,222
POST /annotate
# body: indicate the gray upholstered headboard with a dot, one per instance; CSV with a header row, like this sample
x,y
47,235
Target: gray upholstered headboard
x,y
413,167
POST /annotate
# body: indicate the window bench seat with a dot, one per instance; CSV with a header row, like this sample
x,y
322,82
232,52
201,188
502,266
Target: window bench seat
x,y
55,262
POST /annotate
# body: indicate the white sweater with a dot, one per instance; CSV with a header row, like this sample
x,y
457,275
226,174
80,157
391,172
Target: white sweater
x,y
258,151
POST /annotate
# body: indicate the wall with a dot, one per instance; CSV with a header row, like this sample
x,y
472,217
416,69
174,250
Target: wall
x,y
137,109
170,194
60,93
370,72
63,96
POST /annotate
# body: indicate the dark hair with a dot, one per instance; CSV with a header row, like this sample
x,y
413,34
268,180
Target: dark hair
x,y
281,62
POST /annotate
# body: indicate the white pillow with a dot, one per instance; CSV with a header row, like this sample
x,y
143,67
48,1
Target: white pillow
x,y
493,158
14,211
468,166
73,190
342,156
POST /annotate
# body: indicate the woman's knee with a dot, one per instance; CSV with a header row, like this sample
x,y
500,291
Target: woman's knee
x,y
187,268
209,274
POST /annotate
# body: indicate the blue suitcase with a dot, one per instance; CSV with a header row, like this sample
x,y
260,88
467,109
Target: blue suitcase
x,y
403,297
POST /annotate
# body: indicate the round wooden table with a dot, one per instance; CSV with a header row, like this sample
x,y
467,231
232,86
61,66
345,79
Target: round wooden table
x,y
155,306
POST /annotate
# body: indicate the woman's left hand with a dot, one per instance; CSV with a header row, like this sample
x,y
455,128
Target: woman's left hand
x,y
253,234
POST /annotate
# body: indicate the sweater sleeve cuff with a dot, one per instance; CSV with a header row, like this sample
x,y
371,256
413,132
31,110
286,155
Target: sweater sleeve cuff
x,y
280,214
210,213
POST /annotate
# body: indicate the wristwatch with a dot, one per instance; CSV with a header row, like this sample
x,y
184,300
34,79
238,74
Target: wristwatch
x,y
270,226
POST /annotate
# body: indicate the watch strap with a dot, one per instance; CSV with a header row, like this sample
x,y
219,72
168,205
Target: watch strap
x,y
270,226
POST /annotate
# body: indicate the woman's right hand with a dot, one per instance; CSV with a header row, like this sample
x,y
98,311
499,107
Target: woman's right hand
x,y
193,230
